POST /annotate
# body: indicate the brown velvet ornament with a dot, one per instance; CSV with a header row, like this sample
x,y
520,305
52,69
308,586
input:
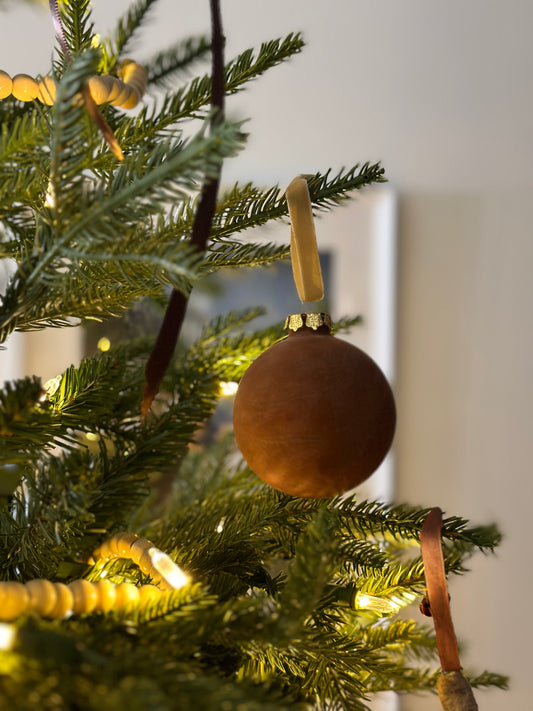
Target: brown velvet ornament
x,y
314,416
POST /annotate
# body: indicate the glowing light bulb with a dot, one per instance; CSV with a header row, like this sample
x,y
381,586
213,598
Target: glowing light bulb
x,y
104,344
381,605
228,388
52,385
8,634
50,200
167,569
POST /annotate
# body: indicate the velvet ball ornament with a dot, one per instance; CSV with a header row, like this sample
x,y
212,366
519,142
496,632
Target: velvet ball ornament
x,y
314,415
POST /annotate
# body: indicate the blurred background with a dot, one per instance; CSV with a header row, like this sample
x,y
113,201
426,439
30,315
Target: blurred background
x,y
442,94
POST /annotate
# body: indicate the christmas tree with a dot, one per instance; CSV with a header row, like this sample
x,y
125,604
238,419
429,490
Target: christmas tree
x,y
279,602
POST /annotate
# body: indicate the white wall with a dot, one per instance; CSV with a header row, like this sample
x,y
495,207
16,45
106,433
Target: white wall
x,y
442,93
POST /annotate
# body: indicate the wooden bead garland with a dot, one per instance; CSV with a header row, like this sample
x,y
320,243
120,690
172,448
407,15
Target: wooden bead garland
x,y
124,91
58,600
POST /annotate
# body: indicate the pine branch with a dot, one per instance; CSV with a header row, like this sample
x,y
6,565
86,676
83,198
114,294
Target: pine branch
x,y
77,25
373,518
26,425
98,218
314,561
193,100
21,143
125,30
225,254
247,206
164,66
75,298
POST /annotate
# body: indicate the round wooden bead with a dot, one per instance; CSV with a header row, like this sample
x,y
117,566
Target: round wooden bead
x,y
134,75
138,548
64,602
132,99
148,594
84,596
47,91
14,601
100,89
124,543
314,416
25,88
122,96
107,595
127,596
115,88
43,596
6,84
146,565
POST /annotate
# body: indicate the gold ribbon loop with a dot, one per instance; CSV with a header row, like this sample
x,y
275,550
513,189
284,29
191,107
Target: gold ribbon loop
x,y
304,251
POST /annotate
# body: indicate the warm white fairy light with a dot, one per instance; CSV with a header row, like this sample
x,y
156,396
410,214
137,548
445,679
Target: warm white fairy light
x,y
220,526
167,569
228,388
52,385
8,635
384,606
104,344
50,200
362,601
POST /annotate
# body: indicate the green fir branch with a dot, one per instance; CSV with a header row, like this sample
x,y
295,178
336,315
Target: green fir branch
x,y
225,254
313,562
164,66
125,30
26,424
193,100
245,207
77,25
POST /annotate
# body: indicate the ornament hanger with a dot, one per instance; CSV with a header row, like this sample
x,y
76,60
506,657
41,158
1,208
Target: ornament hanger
x,y
454,691
304,251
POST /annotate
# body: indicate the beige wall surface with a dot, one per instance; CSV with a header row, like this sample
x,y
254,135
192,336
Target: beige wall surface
x,y
442,94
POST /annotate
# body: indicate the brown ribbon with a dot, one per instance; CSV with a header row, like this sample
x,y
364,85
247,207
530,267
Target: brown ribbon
x,y
167,337
454,691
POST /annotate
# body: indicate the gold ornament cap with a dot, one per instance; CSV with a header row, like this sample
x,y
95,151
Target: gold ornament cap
x,y
315,320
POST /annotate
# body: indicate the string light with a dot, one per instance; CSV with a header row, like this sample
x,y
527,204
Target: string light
x,y
104,344
362,601
382,605
8,634
228,388
52,385
167,569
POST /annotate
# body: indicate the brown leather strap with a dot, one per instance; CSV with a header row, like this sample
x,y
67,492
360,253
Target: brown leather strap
x,y
430,542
